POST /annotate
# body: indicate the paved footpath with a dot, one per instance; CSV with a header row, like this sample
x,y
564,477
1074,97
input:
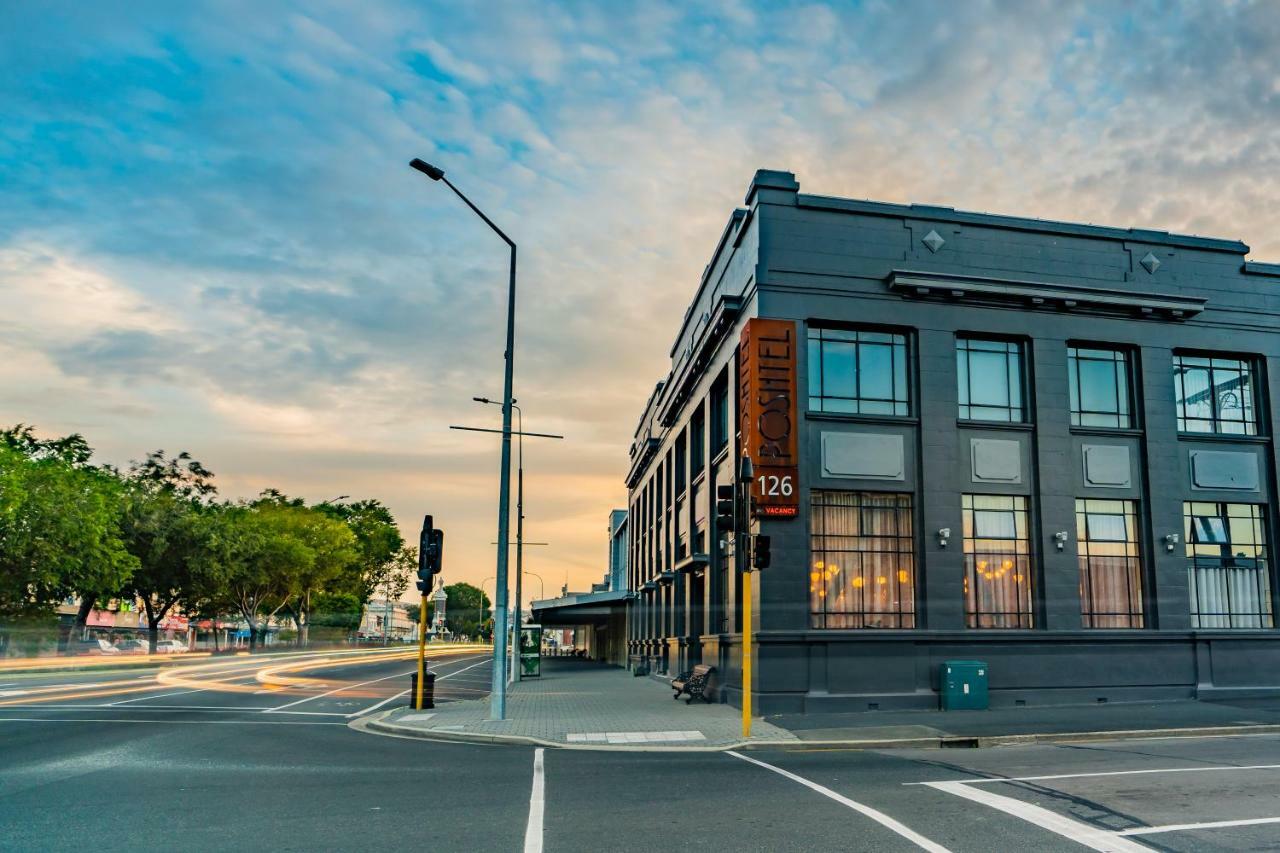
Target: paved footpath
x,y
581,704
585,704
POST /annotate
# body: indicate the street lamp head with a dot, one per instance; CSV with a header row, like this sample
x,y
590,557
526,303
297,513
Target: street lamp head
x,y
427,169
482,399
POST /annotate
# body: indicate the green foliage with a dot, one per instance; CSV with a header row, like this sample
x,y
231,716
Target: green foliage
x,y
158,533
59,527
379,545
462,609
336,610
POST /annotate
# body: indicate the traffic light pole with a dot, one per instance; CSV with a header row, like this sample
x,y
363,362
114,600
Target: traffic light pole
x,y
422,651
742,556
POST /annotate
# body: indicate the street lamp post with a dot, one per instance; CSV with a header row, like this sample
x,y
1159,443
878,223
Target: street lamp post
x,y
498,682
515,640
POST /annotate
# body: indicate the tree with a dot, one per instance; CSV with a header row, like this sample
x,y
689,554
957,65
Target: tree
x,y
336,614
162,530
329,544
378,543
89,578
462,608
59,531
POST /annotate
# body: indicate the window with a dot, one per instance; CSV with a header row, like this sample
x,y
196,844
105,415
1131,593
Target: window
x,y
1215,394
698,499
719,417
862,569
1110,565
863,373
1229,580
997,562
1099,387
697,442
682,464
989,374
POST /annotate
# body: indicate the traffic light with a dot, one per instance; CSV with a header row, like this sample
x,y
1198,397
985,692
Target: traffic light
x,y
430,552
724,509
760,556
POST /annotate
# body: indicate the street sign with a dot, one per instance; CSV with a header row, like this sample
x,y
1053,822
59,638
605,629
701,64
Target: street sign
x,y
767,407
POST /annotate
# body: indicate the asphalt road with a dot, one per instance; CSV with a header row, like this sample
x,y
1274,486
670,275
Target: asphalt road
x,y
257,753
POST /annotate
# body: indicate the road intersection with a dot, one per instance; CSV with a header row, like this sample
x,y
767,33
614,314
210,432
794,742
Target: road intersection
x,y
221,753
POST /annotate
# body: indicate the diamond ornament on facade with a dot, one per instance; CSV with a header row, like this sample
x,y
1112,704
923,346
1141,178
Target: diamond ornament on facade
x,y
1151,263
933,240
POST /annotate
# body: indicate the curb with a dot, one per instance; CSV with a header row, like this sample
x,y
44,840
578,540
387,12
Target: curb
x,y
375,724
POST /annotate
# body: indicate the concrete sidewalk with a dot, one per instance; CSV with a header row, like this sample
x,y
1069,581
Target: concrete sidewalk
x,y
584,705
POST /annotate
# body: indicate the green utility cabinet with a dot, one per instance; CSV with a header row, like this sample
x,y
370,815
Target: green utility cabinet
x,y
963,685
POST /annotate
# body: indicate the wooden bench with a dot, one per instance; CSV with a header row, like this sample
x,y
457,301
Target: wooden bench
x,y
694,683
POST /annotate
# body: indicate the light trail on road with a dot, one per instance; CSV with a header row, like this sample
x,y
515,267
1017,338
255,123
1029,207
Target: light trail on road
x,y
223,676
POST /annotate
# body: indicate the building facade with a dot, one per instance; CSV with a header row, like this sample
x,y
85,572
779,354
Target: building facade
x,y
1043,445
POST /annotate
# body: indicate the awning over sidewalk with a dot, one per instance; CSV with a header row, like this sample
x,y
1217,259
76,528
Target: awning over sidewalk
x,y
588,608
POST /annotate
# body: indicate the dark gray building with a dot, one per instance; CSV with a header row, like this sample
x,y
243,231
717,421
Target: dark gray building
x,y
1043,445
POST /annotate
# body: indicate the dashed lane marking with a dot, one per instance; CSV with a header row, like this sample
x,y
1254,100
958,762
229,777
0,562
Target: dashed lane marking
x,y
533,829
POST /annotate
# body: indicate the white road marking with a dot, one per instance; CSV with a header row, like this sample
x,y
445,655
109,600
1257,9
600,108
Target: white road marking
x,y
1074,830
280,708
373,708
995,780
1182,827
14,692
878,816
533,830
145,698
633,737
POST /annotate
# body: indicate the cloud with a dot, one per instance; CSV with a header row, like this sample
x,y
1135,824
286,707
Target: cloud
x,y
209,235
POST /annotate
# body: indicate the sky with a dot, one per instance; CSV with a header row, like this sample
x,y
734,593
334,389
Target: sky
x,y
210,239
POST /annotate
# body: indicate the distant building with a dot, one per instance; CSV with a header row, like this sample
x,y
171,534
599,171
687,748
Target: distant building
x,y
390,619
617,577
596,618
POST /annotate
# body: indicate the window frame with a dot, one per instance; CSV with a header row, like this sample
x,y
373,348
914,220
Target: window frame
x,y
856,568
1246,364
1221,569
1010,347
1024,591
1091,568
901,402
1126,414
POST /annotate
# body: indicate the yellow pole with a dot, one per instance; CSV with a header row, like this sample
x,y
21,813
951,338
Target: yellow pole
x,y
746,654
422,650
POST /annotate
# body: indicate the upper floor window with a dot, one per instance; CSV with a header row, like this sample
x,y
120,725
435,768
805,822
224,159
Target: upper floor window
x,y
697,443
990,378
682,465
858,372
719,417
1099,385
1215,394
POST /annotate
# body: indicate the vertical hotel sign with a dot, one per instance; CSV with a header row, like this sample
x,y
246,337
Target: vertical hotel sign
x,y
767,407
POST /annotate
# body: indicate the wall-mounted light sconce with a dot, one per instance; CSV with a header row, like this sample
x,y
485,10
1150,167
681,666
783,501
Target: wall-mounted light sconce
x,y
1170,542
943,535
1060,539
